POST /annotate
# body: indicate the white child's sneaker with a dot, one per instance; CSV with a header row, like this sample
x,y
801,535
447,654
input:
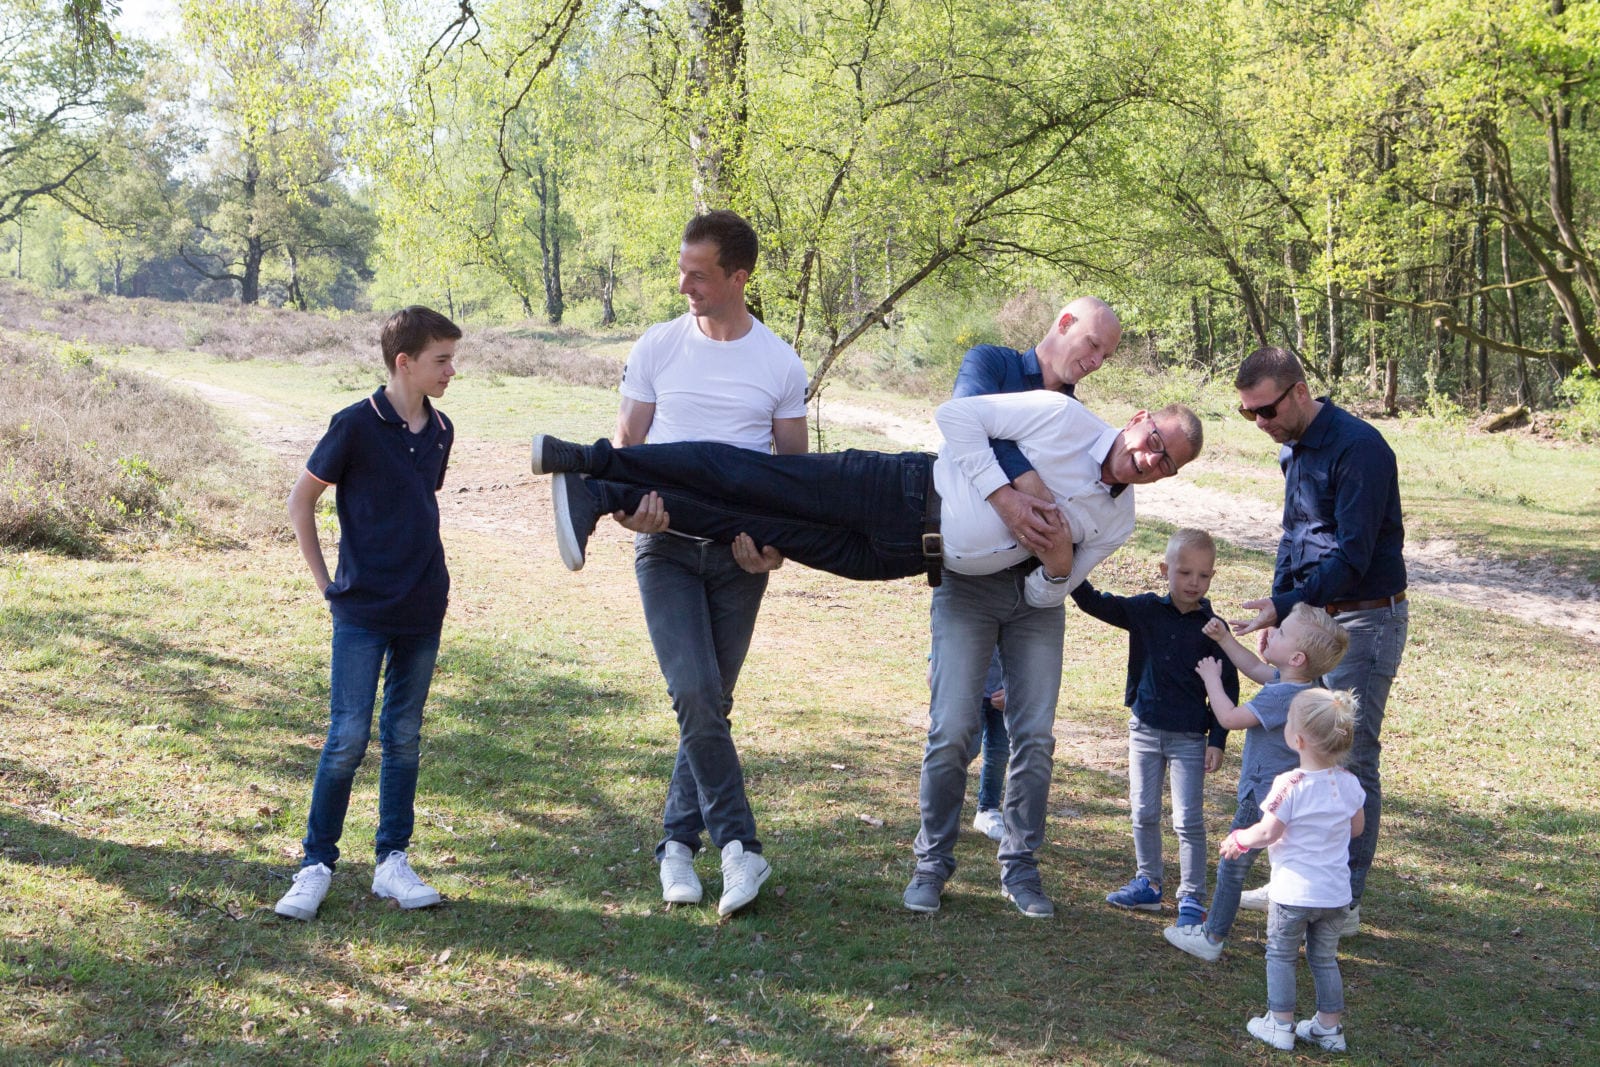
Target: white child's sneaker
x,y
395,880
1278,1034
990,823
1313,1032
1254,900
306,895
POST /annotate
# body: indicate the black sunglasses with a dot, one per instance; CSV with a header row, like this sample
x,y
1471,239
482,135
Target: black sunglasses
x,y
1267,411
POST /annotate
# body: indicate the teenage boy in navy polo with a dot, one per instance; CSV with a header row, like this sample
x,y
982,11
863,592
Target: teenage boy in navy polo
x,y
387,455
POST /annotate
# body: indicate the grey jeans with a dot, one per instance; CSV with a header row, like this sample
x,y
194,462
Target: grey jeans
x,y
1152,755
1319,927
971,613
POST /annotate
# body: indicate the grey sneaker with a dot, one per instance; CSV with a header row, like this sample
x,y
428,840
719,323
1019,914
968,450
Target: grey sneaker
x,y
1193,940
1280,1035
306,895
742,875
1312,1032
679,884
923,893
576,514
1254,899
990,823
1030,899
551,455
395,880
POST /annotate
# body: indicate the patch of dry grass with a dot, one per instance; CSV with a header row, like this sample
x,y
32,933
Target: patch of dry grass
x,y
91,452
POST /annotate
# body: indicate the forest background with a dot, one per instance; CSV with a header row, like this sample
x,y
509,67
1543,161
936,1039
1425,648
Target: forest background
x,y
1402,193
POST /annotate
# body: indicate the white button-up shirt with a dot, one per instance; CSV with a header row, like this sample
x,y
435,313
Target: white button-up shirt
x,y
1066,445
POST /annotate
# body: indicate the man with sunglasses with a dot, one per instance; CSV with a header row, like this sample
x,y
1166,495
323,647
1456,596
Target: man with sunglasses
x,y
1343,537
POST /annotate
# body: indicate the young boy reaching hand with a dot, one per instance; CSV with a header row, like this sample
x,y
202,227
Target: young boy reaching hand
x,y
387,455
1172,730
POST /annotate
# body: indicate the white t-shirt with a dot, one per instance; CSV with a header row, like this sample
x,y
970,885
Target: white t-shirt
x,y
705,390
1066,445
1311,861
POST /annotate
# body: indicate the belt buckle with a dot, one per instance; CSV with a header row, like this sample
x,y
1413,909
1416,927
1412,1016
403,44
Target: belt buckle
x,y
933,545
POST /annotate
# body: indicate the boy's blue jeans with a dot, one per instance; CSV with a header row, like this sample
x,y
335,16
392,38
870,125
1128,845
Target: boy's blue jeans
x,y
359,656
996,751
1152,754
1231,873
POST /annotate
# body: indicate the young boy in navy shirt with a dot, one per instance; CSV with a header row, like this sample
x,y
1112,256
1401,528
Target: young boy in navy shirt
x,y
1171,731
387,455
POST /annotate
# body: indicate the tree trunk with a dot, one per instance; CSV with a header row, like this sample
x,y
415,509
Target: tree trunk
x,y
716,72
547,191
608,286
1514,317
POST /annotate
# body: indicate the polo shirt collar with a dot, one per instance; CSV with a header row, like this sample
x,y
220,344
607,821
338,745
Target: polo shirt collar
x,y
379,402
1032,368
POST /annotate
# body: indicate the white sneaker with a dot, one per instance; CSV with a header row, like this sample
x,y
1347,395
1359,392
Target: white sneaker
x,y
305,896
1352,922
990,823
1254,899
1193,940
742,875
1278,1034
395,880
679,885
1312,1032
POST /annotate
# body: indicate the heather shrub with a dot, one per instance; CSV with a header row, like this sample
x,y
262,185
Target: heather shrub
x,y
91,452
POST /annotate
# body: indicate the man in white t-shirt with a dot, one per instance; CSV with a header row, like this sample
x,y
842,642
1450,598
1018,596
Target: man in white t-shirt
x,y
712,374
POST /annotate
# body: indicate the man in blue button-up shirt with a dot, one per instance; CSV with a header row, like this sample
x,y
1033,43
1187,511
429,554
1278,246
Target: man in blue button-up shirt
x,y
1342,544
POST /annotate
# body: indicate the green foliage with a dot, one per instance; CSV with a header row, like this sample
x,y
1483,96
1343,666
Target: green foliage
x,y
1581,390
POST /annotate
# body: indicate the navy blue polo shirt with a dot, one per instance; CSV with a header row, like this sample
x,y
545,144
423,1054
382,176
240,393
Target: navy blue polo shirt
x,y
1164,645
1343,536
990,369
392,576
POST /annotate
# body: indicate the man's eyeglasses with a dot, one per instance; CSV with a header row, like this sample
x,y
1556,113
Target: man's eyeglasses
x,y
1156,446
1267,411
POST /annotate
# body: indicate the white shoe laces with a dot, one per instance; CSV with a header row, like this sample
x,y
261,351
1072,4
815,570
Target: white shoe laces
x,y
399,870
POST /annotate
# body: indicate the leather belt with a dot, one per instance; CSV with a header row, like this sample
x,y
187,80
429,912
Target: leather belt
x,y
1339,607
932,539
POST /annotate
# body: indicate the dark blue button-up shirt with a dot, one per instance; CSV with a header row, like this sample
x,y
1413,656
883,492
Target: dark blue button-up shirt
x,y
1342,531
392,576
1164,645
990,369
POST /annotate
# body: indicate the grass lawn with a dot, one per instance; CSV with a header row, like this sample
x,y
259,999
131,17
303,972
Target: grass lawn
x,y
161,715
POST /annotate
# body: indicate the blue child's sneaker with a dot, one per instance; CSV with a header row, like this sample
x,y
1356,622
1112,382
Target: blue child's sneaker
x,y
1139,894
1190,911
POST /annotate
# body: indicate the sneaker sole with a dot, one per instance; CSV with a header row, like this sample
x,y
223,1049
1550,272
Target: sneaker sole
x,y
304,915
1051,914
1156,906
566,537
682,896
1191,950
424,902
920,909
538,454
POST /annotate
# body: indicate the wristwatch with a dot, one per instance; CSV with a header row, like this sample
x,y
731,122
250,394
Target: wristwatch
x,y
1047,576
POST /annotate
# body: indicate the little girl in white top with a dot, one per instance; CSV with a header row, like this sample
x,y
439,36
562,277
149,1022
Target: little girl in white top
x,y
1308,820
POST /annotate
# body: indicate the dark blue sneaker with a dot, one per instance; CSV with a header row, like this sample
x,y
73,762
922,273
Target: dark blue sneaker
x,y
551,455
1138,894
1190,911
576,513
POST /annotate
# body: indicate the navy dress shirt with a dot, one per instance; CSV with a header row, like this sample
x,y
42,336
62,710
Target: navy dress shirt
x,y
1343,536
1164,645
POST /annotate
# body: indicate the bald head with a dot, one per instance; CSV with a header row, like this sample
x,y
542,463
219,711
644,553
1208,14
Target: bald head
x,y
1081,337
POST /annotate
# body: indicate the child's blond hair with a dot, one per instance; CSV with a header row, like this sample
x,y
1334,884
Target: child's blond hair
x,y
1326,718
1322,639
1189,537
